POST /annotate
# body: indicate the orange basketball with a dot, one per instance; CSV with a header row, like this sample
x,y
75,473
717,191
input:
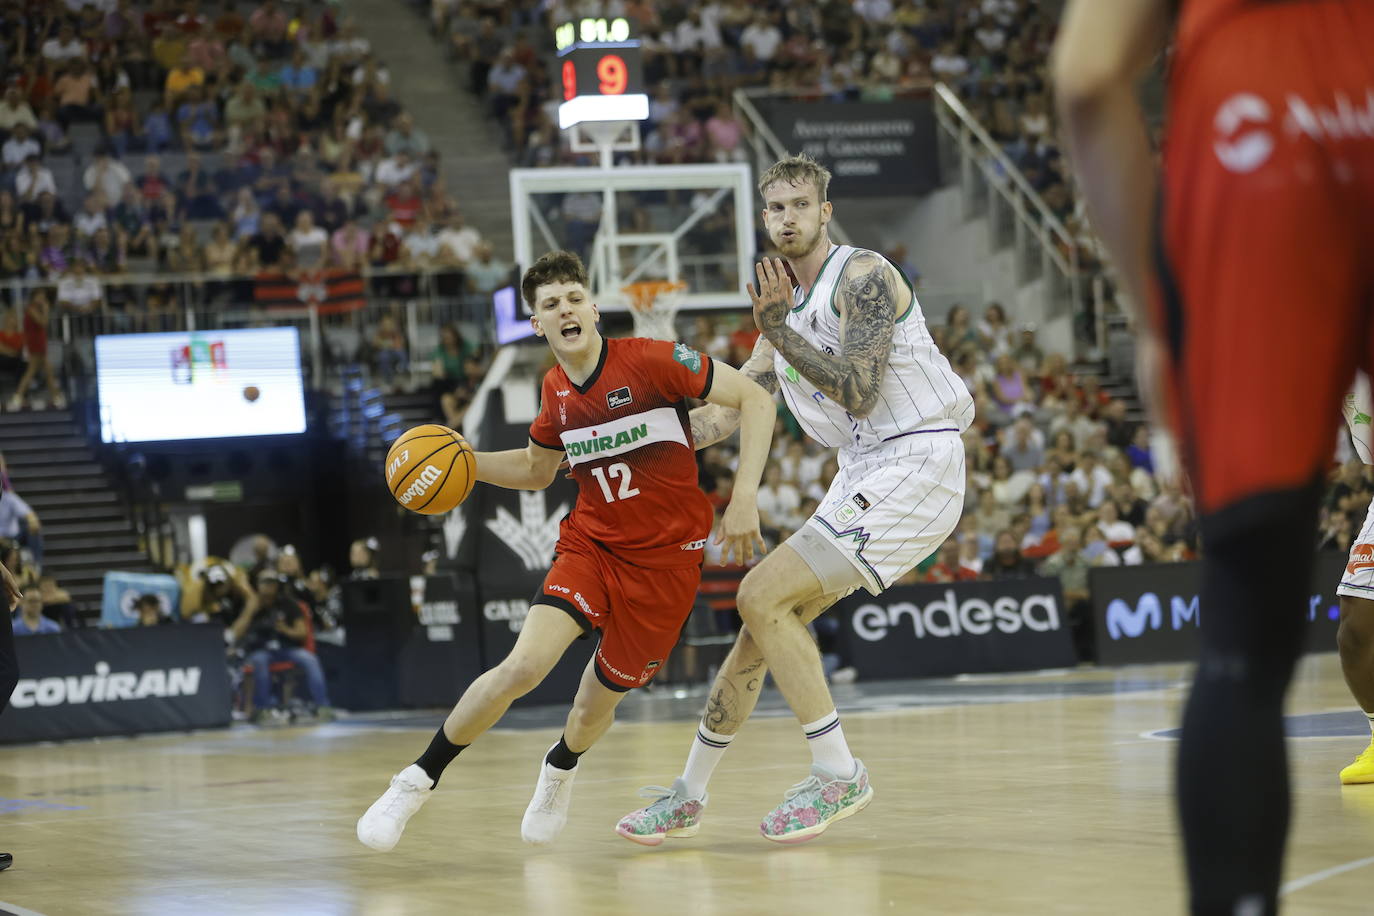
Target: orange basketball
x,y
430,469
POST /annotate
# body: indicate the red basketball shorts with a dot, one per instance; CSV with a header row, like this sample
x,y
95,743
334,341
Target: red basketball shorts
x,y
639,611
1265,242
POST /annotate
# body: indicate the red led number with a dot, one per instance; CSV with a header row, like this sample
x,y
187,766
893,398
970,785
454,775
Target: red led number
x,y
610,70
569,81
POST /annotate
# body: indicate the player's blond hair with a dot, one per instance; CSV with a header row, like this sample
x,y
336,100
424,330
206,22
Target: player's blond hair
x,y
554,267
796,170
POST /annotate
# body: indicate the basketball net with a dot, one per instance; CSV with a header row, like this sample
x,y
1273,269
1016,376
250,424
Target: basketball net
x,y
654,305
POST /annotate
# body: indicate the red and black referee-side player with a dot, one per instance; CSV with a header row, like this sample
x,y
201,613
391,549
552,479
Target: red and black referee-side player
x,y
1251,258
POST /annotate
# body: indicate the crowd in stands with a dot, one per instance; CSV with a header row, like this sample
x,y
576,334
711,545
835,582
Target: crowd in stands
x,y
212,138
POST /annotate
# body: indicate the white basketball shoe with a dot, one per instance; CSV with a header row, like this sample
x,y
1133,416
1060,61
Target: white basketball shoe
x,y
548,809
381,826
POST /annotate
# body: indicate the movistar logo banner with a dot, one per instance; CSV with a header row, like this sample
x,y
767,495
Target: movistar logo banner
x,y
624,434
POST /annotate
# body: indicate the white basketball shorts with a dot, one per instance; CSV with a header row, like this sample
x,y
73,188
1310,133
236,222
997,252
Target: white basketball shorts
x,y
1358,579
889,508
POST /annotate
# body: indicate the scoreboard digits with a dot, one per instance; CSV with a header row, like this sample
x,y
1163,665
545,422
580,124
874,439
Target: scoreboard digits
x,y
601,73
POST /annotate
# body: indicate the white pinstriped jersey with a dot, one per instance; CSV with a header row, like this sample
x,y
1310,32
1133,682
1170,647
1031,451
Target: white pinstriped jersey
x,y
1358,410
919,391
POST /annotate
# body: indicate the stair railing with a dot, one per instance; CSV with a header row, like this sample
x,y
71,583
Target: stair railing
x,y
984,167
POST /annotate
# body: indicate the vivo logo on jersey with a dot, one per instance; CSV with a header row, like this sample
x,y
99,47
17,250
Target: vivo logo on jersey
x,y
947,616
623,434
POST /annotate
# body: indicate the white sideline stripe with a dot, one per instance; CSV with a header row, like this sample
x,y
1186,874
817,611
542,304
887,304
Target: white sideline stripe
x,y
1298,884
17,910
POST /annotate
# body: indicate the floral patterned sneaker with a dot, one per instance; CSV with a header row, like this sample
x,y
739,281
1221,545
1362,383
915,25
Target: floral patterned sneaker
x,y
811,806
673,814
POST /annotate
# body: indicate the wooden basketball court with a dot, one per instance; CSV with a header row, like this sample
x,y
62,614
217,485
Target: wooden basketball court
x,y
1012,794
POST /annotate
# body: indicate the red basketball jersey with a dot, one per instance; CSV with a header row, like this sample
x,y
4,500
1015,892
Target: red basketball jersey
x,y
629,444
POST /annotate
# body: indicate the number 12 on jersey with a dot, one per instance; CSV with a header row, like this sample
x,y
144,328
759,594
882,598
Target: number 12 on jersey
x,y
619,469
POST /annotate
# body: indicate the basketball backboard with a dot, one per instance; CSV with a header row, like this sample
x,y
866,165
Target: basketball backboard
x,y
690,223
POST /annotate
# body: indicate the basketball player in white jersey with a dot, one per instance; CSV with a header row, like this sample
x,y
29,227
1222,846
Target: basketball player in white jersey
x,y
849,350
1355,638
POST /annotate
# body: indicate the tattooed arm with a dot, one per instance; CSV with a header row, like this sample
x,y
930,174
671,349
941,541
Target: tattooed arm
x,y
712,423
869,301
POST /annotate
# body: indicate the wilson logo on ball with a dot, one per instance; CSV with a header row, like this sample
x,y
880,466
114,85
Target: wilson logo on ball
x,y
396,465
423,481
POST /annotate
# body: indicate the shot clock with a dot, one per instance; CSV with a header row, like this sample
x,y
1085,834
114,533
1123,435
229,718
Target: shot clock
x,y
600,73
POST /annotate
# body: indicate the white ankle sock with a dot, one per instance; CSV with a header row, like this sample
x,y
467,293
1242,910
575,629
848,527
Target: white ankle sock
x,y
1370,716
707,749
828,747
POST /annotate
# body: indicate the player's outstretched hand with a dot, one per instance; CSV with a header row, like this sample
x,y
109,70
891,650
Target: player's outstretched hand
x,y
773,297
12,594
739,532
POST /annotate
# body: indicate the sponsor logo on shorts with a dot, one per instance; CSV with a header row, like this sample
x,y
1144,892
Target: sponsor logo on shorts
x,y
694,545
860,501
1361,557
649,670
586,608
621,397
846,514
792,375
612,669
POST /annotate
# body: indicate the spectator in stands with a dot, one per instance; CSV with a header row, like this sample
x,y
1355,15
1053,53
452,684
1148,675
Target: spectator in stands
x,y
1119,430
1006,561
198,121
1023,445
34,179
395,170
420,247
77,95
269,246
485,272
157,127
107,176
36,316
64,46
362,559
19,524
277,631
58,604
1008,390
389,349
348,246
1028,354
132,223
452,392
778,504
91,218
148,607
308,242
1070,565
298,77
185,254
458,241
1139,450
11,341
79,291
959,331
181,78
20,146
1092,479
15,110
405,136
404,203
30,620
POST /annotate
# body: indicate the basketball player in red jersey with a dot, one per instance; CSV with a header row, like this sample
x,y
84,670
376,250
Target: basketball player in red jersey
x,y
629,555
1252,257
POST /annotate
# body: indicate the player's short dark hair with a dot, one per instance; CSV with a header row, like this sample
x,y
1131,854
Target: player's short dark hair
x,y
554,267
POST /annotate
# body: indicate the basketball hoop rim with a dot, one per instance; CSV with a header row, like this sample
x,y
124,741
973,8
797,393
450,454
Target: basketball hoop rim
x,y
644,294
